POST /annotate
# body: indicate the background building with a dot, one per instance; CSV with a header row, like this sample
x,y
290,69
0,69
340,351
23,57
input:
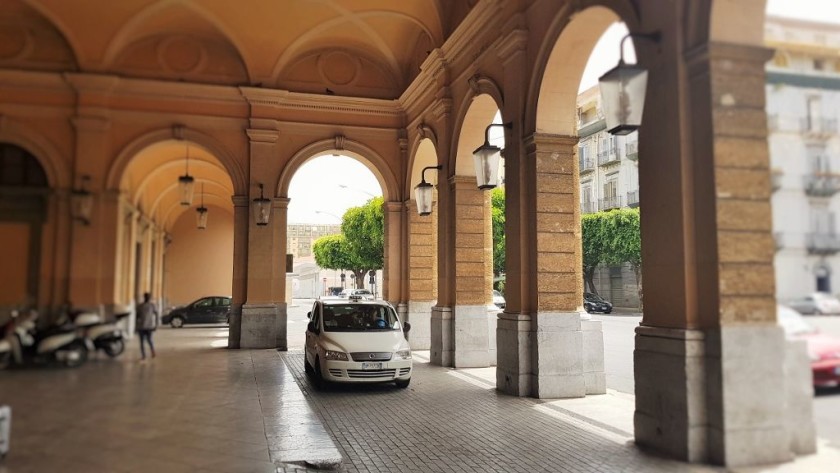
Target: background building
x,y
609,179
302,235
803,97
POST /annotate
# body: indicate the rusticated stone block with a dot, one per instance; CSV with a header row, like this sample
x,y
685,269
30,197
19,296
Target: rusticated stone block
x,y
743,309
559,302
477,268
475,212
743,122
747,279
556,203
557,282
471,196
422,273
742,183
556,183
422,251
420,261
744,215
556,261
421,286
741,152
746,247
557,222
557,242
472,225
469,240
556,163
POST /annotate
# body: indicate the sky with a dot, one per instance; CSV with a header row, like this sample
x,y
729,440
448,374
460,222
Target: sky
x,y
315,192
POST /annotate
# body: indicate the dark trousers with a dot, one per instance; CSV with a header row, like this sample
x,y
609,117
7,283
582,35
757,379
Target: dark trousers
x,y
146,335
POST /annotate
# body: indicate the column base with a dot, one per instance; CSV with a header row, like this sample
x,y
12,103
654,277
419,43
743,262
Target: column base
x,y
594,375
263,326
419,314
513,349
471,337
441,337
720,396
557,354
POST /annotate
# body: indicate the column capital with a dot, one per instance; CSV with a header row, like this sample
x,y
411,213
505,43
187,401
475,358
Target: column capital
x,y
280,202
549,141
261,135
459,181
698,58
513,44
240,200
392,206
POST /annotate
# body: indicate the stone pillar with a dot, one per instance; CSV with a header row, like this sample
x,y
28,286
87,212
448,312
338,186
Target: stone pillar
x,y
394,244
709,339
422,274
263,321
241,227
473,274
562,355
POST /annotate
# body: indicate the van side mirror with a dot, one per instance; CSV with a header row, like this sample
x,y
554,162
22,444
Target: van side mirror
x,y
309,315
311,327
406,328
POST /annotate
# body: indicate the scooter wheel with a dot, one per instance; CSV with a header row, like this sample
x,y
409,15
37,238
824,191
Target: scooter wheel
x,y
75,355
114,348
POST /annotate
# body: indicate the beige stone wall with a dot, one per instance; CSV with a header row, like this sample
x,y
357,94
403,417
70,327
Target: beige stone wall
x,y
199,262
422,252
473,255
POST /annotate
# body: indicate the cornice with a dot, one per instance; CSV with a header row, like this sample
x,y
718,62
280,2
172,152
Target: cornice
x,y
240,200
512,44
538,141
33,79
295,101
259,135
92,83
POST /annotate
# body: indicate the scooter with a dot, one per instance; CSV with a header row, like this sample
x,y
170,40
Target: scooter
x,y
56,345
105,336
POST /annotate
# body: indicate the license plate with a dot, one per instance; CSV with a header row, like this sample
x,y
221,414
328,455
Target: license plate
x,y
371,366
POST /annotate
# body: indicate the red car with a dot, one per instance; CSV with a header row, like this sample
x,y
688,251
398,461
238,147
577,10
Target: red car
x,y
824,350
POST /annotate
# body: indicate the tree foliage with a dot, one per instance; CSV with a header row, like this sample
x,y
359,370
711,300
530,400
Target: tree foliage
x,y
360,246
497,208
612,238
593,246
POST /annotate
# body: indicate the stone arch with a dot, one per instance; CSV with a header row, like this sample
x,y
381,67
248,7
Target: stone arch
x,y
562,58
423,153
71,42
362,153
228,160
58,174
473,117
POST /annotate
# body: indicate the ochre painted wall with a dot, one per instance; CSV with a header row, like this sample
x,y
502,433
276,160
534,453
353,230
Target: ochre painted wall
x,y
199,262
14,253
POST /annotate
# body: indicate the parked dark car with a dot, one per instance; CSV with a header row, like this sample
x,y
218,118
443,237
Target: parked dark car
x,y
207,310
595,303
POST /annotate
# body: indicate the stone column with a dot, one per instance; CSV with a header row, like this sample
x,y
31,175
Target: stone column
x,y
394,244
473,274
422,274
263,321
241,227
709,339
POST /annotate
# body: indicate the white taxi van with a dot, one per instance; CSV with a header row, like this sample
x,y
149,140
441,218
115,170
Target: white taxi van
x,y
357,341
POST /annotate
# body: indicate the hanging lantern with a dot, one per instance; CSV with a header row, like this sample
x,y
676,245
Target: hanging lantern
x,y
623,93
186,183
424,192
81,202
201,212
486,158
262,209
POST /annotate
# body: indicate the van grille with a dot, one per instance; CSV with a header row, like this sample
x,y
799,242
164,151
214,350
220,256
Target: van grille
x,y
371,356
371,373
404,371
335,372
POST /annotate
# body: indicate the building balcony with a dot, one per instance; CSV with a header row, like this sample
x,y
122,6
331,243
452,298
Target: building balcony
x,y
633,199
821,185
588,207
605,157
610,203
823,243
587,165
632,150
818,127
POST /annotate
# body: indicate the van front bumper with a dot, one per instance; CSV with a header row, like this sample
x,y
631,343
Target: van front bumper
x,y
366,372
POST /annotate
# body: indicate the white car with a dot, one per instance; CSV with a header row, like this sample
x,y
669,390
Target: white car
x,y
357,341
361,293
816,303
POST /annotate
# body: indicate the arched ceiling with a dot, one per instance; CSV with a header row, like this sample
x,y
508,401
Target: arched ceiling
x,y
370,48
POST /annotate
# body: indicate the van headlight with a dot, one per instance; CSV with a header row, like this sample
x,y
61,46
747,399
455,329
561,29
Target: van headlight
x,y
335,355
404,354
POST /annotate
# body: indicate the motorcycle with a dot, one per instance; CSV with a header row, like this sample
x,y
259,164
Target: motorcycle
x,y
105,336
55,345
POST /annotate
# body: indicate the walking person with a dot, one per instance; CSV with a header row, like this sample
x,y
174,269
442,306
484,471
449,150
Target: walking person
x,y
147,321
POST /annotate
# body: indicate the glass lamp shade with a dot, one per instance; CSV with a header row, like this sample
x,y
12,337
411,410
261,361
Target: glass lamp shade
x,y
623,97
186,187
262,211
81,205
486,159
423,195
201,215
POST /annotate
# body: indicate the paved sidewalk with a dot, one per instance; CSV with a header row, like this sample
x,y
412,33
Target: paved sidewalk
x,y
201,408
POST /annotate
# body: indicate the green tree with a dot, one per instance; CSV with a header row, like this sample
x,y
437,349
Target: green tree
x,y
594,246
622,230
497,208
360,247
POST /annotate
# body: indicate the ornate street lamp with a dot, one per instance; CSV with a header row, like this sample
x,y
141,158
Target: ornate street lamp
x,y
202,212
343,278
423,192
81,202
186,183
486,158
262,209
623,92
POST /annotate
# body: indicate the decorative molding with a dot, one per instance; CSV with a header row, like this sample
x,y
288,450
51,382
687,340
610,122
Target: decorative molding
x,y
259,135
240,200
91,83
698,58
442,107
473,82
339,142
394,207
513,44
287,100
91,123
178,131
426,132
549,142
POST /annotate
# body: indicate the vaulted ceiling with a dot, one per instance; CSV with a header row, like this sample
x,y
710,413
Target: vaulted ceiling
x,y
362,48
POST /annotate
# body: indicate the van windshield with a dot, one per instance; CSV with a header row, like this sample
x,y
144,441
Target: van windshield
x,y
360,318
